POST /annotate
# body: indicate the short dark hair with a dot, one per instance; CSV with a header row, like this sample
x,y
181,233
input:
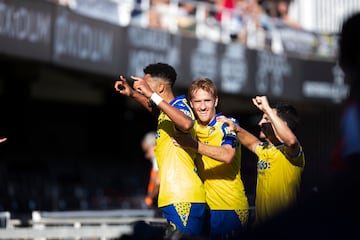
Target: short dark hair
x,y
288,113
163,71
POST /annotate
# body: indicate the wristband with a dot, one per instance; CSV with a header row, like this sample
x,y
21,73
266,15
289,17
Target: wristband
x,y
156,98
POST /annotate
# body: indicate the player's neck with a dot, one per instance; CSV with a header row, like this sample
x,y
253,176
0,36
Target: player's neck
x,y
168,96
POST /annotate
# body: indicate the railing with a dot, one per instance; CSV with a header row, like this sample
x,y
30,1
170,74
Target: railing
x,y
61,232
106,224
7,222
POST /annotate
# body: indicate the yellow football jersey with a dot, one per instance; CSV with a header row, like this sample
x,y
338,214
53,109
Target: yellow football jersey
x,y
222,182
278,180
179,180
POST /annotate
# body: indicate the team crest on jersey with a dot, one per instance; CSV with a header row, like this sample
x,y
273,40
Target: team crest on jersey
x,y
263,164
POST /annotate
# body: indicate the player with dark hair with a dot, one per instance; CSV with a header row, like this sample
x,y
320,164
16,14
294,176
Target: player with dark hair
x,y
280,158
181,195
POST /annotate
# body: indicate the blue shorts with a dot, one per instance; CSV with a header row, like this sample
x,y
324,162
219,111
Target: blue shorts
x,y
187,218
227,224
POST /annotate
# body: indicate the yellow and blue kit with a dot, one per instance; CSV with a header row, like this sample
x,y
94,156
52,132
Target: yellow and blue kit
x,y
181,194
278,180
224,189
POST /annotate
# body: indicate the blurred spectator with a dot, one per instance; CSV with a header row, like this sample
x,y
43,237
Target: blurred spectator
x,y
248,22
282,7
256,21
231,14
140,13
224,8
137,8
67,3
148,144
159,14
237,25
206,24
348,157
186,15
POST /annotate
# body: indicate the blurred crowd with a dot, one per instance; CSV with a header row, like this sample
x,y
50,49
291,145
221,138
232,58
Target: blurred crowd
x,y
260,24
219,19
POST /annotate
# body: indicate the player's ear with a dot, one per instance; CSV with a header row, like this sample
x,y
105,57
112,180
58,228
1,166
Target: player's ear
x,y
191,104
216,101
161,87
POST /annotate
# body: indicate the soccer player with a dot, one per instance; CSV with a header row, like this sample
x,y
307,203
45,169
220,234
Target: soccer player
x,y
218,163
280,157
181,195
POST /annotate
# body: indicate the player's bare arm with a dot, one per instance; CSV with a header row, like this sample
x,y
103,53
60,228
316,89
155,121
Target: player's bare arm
x,y
280,127
180,119
122,86
224,153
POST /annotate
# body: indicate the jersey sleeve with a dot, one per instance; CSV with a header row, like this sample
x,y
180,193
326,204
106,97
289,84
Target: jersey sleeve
x,y
183,106
230,137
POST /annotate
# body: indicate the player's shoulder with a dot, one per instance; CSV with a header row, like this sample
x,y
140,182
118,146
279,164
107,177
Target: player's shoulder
x,y
229,117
